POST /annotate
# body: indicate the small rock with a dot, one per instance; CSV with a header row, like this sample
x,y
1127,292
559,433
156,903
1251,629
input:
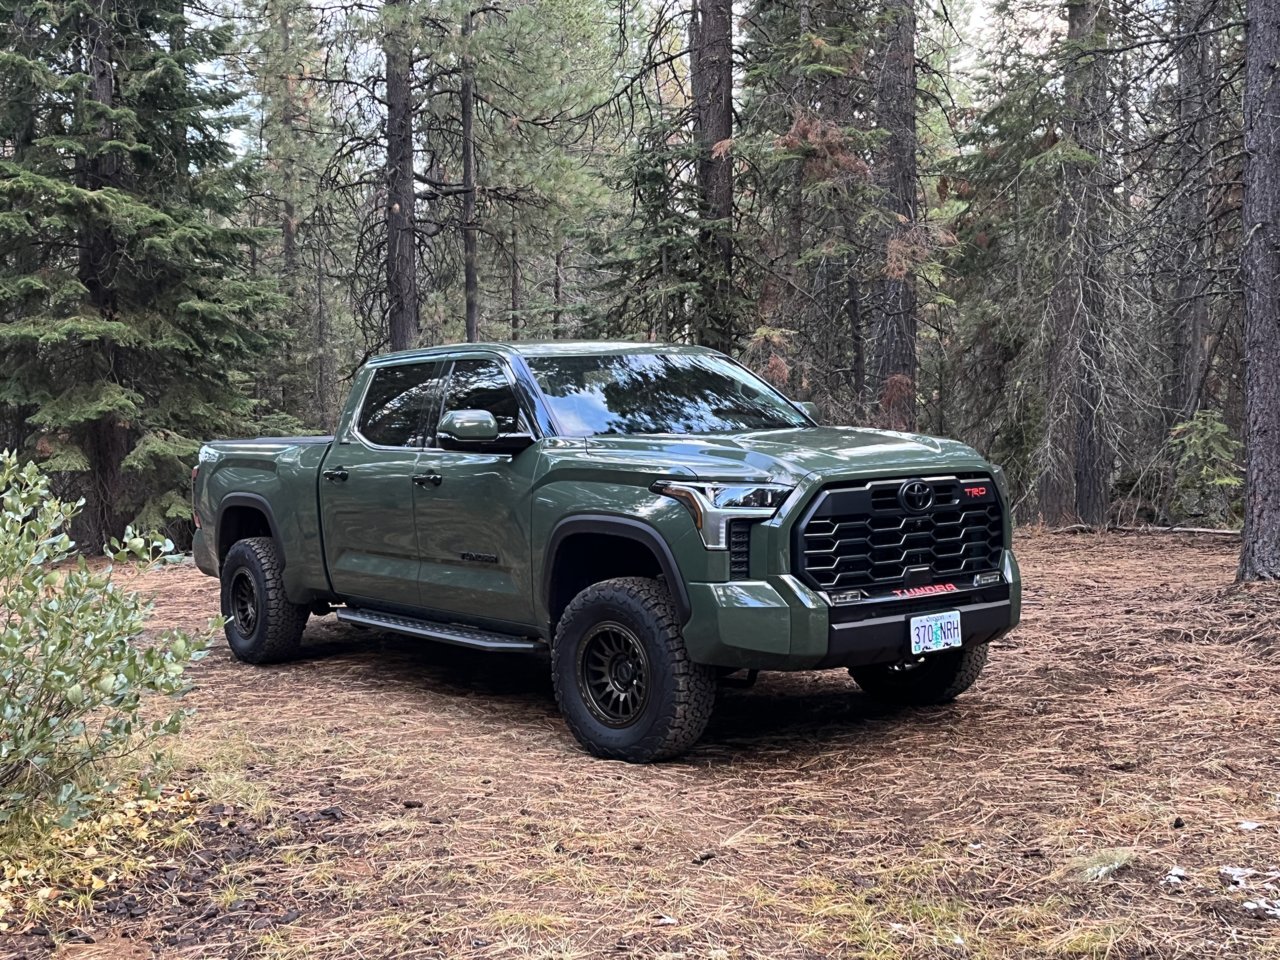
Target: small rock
x,y
413,804
1178,823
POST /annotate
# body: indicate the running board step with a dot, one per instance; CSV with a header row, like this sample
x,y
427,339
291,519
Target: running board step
x,y
454,633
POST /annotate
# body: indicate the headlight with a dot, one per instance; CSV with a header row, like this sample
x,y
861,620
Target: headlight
x,y
713,505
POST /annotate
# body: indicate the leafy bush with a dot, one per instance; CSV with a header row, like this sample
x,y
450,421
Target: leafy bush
x,y
74,669
1207,465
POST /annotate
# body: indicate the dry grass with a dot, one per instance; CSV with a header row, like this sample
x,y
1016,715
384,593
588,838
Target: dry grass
x,y
384,798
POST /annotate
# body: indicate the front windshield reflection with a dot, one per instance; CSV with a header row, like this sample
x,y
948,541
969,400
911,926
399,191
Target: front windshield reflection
x,y
630,393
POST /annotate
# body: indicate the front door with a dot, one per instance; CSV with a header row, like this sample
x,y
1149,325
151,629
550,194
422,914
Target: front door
x,y
367,489
473,522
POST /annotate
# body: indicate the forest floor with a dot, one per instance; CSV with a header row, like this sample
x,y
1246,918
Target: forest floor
x,y
1110,789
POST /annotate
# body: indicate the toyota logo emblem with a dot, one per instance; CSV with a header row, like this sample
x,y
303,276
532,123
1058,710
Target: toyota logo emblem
x,y
916,496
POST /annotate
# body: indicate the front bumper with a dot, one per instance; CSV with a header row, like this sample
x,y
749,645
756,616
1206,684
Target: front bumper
x,y
781,624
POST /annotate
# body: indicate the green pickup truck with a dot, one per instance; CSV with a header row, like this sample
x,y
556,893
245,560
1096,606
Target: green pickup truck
x,y
655,517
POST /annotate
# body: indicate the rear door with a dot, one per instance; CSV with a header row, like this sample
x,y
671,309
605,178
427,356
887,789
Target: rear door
x,y
367,489
473,518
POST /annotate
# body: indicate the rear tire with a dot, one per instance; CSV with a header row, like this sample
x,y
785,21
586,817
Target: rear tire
x,y
623,678
262,626
936,678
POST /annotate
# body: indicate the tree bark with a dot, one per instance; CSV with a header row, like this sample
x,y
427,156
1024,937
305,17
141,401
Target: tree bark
x,y
893,320
471,283
107,438
711,78
402,261
1074,485
1260,553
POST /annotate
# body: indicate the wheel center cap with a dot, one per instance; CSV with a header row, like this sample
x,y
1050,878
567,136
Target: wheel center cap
x,y
624,673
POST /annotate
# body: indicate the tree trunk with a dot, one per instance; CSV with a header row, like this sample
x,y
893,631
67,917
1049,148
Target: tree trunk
x,y
516,293
893,320
297,314
402,260
106,442
471,282
1189,314
711,77
1074,484
557,292
1260,553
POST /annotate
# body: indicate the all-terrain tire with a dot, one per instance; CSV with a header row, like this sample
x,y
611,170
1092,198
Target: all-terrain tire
x,y
937,678
262,626
636,614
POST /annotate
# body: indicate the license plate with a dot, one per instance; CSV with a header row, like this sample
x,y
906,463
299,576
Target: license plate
x,y
936,631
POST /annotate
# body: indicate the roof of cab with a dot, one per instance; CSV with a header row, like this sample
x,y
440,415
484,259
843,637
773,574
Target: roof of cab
x,y
546,348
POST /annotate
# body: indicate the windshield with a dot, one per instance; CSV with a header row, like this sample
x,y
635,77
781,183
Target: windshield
x,y
659,393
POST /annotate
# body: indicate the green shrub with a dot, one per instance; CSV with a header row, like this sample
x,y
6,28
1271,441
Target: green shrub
x,y
75,668
1208,470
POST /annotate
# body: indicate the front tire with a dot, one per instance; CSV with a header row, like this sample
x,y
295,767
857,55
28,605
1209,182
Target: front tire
x,y
623,678
262,626
936,678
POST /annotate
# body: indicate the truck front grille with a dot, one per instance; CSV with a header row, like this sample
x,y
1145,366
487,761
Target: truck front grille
x,y
891,534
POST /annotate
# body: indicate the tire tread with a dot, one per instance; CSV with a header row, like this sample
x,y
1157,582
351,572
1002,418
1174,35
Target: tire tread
x,y
284,621
695,685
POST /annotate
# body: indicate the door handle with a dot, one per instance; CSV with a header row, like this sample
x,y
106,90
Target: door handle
x,y
425,479
336,475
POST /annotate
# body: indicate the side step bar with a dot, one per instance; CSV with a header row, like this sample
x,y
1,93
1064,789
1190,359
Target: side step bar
x,y
454,633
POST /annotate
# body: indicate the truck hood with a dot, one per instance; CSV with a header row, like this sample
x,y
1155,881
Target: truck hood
x,y
789,456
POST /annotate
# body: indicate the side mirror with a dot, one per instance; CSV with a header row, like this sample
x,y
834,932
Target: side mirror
x,y
477,430
465,428
810,408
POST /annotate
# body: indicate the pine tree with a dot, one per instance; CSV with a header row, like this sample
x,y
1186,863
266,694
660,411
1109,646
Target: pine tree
x,y
125,306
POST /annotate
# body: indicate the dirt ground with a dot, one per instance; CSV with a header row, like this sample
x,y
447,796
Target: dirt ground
x,y
1111,788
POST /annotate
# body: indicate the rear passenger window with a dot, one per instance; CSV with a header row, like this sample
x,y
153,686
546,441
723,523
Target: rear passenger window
x,y
394,410
482,385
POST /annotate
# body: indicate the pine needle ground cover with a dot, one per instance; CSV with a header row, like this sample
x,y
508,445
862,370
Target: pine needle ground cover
x,y
1111,789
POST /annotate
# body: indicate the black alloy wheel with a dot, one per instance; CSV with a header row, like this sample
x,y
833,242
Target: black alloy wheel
x,y
244,602
613,674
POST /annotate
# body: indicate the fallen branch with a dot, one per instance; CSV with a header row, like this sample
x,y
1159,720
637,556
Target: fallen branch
x,y
1145,528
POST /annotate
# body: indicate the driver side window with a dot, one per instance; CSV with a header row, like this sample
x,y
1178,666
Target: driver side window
x,y
478,384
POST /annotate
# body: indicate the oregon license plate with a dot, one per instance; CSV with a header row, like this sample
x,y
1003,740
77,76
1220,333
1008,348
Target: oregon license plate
x,y
936,631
